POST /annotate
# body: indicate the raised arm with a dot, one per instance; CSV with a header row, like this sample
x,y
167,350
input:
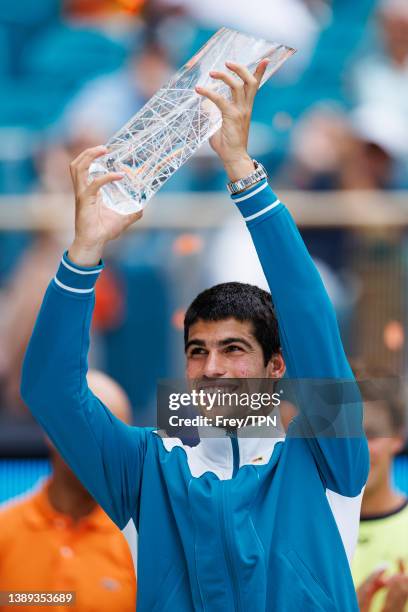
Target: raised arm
x,y
331,421
105,454
308,329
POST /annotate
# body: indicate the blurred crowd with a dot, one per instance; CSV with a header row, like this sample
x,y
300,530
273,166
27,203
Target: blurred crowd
x,y
77,71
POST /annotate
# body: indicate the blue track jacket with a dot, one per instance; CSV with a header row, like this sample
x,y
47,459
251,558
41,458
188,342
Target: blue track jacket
x,y
265,525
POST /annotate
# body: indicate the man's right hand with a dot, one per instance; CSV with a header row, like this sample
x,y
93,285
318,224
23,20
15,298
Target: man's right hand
x,y
95,223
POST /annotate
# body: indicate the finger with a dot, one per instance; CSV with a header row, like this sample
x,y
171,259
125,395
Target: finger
x,y
394,580
97,183
85,159
243,73
374,581
401,566
133,217
80,166
218,99
91,153
237,87
378,580
260,70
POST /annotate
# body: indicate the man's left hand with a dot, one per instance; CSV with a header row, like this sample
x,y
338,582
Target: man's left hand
x,y
231,141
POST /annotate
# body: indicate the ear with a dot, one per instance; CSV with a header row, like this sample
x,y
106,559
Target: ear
x,y
398,443
276,366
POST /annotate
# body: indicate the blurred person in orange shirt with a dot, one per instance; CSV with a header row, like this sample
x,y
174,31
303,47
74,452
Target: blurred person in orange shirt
x,y
59,539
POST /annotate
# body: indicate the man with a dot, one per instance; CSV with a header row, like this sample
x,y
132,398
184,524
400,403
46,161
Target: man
x,y
235,522
381,559
59,539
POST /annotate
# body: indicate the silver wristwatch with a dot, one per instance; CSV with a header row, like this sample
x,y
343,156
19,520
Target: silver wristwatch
x,y
258,175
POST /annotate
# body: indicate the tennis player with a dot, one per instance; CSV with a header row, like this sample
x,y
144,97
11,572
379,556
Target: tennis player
x,y
234,523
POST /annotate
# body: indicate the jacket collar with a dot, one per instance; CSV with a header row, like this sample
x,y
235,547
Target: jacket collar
x,y
255,445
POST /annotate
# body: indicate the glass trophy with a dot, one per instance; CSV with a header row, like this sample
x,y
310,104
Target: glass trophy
x,y
171,126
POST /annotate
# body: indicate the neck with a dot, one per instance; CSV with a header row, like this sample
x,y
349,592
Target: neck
x,y
69,497
381,500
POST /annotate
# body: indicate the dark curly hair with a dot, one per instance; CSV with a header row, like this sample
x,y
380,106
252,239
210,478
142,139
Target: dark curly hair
x,y
242,302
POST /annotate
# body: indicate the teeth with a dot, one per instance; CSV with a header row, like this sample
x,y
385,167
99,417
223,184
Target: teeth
x,y
218,390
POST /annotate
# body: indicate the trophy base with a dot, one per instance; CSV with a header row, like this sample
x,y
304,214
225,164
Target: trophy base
x,y
119,196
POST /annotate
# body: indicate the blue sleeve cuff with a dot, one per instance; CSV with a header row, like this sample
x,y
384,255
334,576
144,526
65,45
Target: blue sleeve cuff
x,y
257,201
76,279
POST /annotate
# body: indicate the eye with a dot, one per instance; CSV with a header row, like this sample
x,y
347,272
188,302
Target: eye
x,y
197,351
233,348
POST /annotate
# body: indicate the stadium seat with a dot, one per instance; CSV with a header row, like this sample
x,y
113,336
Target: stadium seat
x,y
75,53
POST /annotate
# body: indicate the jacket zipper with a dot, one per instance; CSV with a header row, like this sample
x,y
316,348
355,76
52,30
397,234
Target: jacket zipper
x,y
235,453
226,524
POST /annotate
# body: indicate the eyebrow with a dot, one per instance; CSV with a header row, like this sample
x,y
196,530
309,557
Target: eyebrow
x,y
194,341
225,342
235,340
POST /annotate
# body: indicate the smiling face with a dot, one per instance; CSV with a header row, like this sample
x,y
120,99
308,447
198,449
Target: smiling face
x,y
220,350
224,349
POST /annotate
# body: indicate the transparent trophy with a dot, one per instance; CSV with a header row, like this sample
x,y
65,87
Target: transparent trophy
x,y
171,126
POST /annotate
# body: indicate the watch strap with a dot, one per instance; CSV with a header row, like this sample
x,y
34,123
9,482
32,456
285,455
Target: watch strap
x,y
248,181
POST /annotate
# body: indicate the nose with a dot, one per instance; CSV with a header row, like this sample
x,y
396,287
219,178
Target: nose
x,y
214,366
